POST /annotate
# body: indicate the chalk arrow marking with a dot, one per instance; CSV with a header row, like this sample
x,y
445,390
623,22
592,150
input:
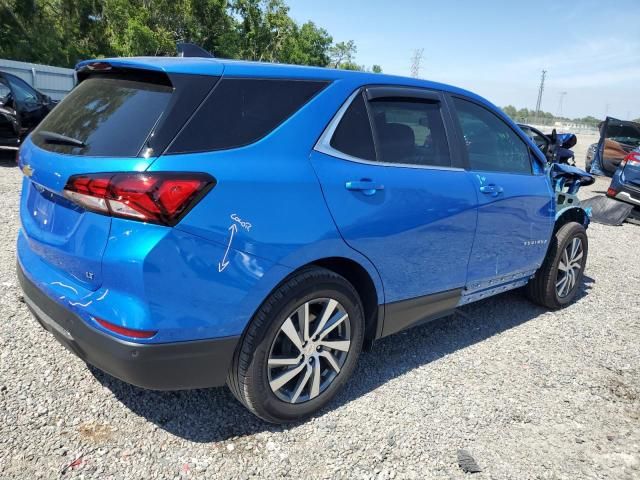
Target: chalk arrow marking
x,y
224,263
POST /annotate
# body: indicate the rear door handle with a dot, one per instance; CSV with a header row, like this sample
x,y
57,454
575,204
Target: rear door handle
x,y
366,186
493,190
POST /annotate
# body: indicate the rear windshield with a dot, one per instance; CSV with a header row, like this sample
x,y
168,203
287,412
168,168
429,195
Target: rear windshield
x,y
241,111
111,116
624,132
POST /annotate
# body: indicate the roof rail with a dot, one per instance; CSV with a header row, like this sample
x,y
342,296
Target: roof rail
x,y
191,50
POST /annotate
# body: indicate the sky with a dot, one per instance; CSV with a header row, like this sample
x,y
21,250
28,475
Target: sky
x,y
498,49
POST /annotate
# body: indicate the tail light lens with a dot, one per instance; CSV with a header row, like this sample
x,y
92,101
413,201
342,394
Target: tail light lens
x,y
612,192
632,159
127,332
154,197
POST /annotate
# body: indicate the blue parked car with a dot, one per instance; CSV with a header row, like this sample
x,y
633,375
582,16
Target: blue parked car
x,y
191,222
625,184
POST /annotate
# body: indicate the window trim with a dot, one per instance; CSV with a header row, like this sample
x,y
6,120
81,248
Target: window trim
x,y
323,145
456,123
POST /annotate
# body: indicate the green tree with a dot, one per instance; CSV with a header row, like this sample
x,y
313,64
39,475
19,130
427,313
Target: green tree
x,y
376,69
307,45
523,114
343,53
511,111
63,32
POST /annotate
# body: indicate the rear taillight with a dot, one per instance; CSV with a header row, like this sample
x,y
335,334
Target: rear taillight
x,y
612,192
632,159
155,197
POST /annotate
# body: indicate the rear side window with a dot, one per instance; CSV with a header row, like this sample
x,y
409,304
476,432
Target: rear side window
x,y
241,111
410,131
111,116
353,135
491,144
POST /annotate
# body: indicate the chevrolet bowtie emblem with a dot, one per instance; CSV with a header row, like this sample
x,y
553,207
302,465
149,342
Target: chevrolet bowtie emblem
x,y
27,170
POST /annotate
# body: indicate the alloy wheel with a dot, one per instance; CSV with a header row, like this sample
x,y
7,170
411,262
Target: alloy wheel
x,y
309,350
569,267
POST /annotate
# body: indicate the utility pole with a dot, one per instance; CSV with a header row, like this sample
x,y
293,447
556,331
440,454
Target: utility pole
x,y
415,62
562,94
544,74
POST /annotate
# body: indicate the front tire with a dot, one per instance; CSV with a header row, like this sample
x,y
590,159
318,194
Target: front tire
x,y
558,280
300,347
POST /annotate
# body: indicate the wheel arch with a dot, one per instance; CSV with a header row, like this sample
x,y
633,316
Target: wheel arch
x,y
361,280
366,282
571,214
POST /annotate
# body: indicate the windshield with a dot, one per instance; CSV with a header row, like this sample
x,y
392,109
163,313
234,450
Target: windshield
x,y
627,133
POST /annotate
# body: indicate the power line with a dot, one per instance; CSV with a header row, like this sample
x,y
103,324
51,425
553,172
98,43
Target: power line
x,y
562,94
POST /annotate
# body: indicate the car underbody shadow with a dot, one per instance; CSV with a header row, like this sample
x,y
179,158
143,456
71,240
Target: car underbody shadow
x,y
212,415
7,159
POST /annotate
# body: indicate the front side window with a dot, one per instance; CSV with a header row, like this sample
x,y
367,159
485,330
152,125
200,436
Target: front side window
x,y
541,142
491,144
22,91
410,131
5,92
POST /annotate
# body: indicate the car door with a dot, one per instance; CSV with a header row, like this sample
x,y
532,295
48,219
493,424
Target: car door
x,y
516,204
399,195
28,103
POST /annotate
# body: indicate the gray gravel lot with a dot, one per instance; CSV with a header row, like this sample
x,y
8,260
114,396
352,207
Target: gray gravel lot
x,y
529,393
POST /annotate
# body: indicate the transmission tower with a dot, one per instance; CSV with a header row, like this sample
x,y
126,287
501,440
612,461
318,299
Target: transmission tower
x,y
562,94
416,59
544,74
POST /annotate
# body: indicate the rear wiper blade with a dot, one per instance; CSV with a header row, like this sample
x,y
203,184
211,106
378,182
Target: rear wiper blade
x,y
58,139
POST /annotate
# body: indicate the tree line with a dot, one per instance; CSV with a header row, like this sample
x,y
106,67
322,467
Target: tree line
x,y
63,32
524,115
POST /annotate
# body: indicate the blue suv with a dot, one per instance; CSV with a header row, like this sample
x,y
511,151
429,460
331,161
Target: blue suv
x,y
191,222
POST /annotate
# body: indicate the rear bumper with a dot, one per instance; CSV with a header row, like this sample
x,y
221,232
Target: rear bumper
x,y
12,144
629,195
165,366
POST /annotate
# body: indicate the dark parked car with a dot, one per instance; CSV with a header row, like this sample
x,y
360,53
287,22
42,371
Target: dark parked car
x,y
625,184
22,107
618,138
591,152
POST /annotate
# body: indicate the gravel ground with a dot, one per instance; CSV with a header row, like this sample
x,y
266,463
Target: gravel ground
x,y
528,393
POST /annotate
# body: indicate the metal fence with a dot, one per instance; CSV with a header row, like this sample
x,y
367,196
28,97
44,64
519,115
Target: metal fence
x,y
53,81
546,124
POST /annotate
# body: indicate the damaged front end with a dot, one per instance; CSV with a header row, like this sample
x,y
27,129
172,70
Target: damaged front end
x,y
566,181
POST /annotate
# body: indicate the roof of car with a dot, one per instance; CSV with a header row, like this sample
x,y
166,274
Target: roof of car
x,y
218,66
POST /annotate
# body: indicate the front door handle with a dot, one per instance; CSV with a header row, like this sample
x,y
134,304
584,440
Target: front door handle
x,y
493,190
366,186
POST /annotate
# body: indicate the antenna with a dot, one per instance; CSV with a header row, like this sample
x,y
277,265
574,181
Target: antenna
x,y
191,50
416,59
544,74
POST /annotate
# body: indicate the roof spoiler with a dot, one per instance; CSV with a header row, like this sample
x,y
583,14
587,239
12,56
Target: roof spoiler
x,y
191,50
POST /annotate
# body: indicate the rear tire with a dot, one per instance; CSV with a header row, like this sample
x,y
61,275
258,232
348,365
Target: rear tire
x,y
558,280
277,334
